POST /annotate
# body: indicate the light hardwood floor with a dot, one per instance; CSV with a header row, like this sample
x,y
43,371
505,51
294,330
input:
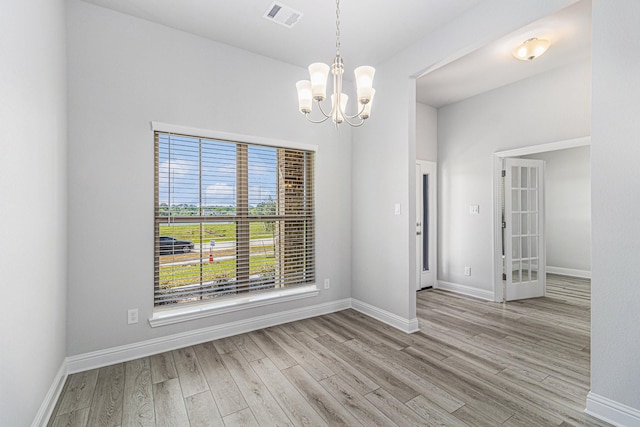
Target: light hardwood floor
x,y
473,363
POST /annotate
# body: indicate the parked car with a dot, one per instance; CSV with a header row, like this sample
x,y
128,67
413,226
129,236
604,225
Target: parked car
x,y
169,245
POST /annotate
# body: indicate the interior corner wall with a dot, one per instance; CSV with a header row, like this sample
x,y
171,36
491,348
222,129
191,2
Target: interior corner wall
x,y
33,206
567,176
125,72
615,336
552,106
426,133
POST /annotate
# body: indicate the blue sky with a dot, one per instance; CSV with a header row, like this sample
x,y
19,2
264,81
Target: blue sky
x,y
179,169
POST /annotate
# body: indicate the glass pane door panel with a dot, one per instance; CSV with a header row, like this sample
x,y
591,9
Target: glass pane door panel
x,y
533,183
525,247
525,271
515,225
525,223
515,248
524,182
515,200
515,177
524,202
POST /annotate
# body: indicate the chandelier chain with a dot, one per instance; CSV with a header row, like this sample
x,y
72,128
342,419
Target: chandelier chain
x,y
337,27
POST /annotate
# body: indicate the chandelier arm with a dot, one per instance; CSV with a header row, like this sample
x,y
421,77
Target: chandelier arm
x,y
357,114
316,121
355,125
322,110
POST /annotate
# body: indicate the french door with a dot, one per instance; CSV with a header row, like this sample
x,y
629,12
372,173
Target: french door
x,y
523,225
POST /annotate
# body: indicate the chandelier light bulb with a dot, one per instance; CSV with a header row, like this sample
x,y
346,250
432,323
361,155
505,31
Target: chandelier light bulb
x,y
318,73
304,96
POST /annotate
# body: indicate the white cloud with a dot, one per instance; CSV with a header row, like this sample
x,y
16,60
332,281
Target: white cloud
x,y
220,193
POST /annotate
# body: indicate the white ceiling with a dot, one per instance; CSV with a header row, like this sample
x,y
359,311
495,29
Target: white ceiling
x,y
370,34
492,66
370,31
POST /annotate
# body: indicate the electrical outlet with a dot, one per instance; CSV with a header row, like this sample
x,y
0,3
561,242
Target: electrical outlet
x,y
467,271
474,209
327,283
132,316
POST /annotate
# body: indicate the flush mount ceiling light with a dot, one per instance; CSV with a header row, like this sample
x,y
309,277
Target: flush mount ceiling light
x,y
531,49
316,88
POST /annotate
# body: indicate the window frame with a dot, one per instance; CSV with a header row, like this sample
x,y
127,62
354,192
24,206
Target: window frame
x,y
192,310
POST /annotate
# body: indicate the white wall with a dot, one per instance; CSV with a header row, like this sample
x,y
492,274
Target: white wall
x,y
125,72
33,205
426,133
615,336
567,209
550,107
384,153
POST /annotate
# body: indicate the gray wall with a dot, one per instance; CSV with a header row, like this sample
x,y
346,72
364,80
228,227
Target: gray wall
x,y
549,107
33,205
426,133
125,72
615,336
567,210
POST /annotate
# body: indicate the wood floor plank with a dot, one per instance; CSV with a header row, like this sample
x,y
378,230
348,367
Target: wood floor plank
x,y
138,394
399,413
271,349
260,400
422,385
192,380
242,418
79,391
372,369
288,397
247,347
224,389
355,403
360,382
107,402
77,418
202,410
162,367
320,399
300,353
225,345
169,404
432,414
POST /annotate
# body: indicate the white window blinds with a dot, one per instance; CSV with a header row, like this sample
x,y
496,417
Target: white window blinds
x,y
230,218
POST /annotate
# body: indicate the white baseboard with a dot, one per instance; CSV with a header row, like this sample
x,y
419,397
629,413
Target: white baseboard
x,y
611,411
583,274
465,290
97,359
49,402
405,325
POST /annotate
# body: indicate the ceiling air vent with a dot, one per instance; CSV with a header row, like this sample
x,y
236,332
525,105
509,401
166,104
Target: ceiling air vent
x,y
283,15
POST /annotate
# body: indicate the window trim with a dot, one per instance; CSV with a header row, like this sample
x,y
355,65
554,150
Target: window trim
x,y
205,133
166,316
169,316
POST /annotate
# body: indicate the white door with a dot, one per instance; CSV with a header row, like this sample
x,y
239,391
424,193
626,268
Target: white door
x,y
426,223
524,244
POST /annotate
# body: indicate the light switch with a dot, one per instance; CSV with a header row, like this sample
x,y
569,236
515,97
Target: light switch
x,y
474,209
397,209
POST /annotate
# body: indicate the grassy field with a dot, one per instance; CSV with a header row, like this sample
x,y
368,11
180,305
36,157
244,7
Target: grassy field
x,y
178,275
221,232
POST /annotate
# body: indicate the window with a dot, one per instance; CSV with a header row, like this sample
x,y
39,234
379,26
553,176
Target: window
x,y
230,218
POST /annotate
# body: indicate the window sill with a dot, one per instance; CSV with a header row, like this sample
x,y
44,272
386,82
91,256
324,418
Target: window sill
x,y
170,316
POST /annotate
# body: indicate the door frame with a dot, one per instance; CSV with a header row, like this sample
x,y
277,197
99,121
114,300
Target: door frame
x,y
433,222
498,157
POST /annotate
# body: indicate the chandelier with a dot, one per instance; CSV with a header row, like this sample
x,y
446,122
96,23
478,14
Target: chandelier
x,y
316,89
